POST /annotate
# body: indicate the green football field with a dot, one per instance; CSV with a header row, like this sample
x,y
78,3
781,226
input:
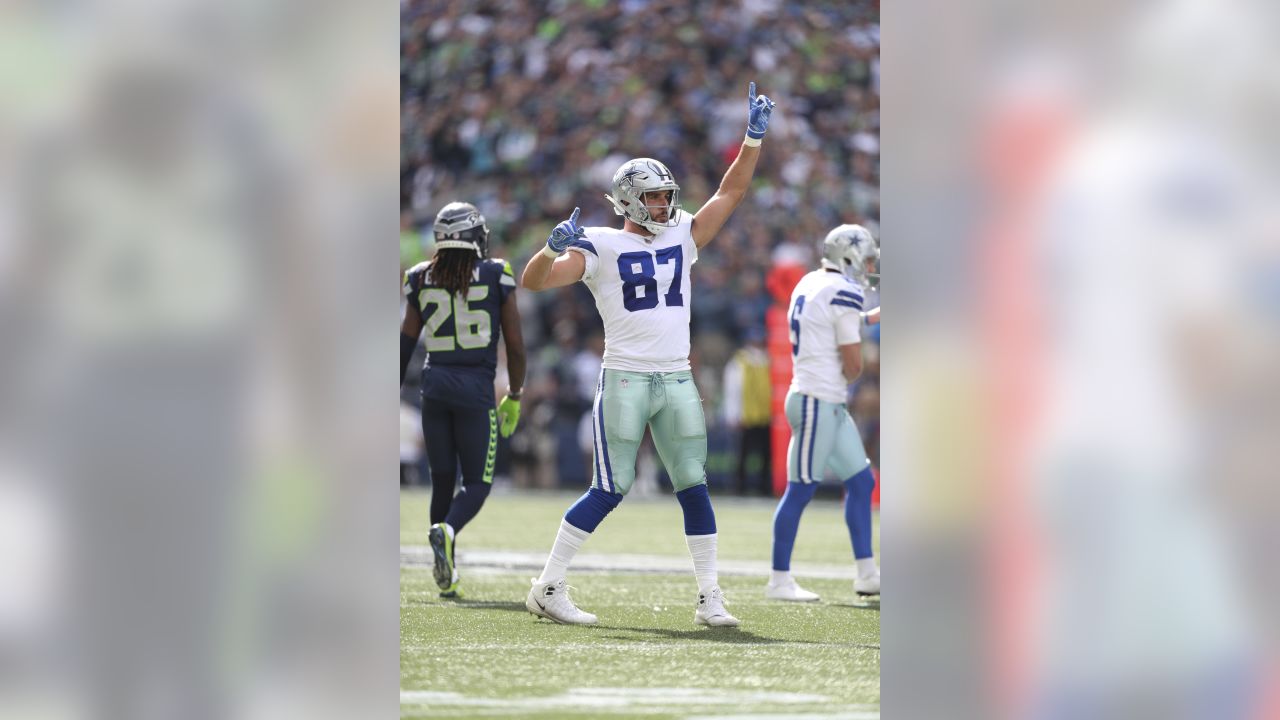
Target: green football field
x,y
485,656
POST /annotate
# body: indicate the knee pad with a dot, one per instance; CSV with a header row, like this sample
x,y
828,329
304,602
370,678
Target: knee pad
x,y
592,508
699,518
688,474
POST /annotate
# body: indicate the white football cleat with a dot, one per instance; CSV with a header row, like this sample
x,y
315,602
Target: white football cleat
x,y
790,591
711,610
551,601
868,585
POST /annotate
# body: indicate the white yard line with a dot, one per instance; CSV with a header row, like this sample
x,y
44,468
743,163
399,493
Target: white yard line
x,y
698,702
850,715
418,556
657,647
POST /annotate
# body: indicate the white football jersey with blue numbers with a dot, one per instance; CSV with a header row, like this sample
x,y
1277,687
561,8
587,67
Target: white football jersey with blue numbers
x,y
642,290
825,313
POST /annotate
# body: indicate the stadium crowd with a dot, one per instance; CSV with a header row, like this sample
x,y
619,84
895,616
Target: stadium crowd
x,y
527,109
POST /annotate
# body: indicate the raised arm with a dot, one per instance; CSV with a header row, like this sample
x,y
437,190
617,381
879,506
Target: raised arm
x,y
551,267
737,180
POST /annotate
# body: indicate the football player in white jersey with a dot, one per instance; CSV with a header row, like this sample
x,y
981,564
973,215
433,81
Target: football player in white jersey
x,y
826,316
639,275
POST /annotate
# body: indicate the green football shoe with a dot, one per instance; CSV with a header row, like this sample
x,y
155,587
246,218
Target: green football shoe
x,y
442,550
453,592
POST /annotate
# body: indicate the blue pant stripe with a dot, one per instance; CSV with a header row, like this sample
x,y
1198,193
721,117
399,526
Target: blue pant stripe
x,y
604,441
813,439
595,445
804,436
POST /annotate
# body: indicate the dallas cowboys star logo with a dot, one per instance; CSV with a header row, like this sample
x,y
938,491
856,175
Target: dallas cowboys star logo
x,y
629,177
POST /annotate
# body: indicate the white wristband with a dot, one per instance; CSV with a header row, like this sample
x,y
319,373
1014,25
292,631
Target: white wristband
x,y
546,250
751,142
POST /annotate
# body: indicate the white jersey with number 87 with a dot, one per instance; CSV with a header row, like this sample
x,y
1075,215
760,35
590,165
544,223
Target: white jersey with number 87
x,y
642,290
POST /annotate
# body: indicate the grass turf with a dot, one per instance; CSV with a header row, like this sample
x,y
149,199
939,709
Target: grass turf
x,y
485,656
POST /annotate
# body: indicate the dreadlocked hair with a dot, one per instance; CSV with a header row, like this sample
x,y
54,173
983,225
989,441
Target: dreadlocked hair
x,y
451,269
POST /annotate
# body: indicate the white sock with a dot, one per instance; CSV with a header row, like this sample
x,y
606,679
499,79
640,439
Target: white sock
x,y
703,550
448,529
780,577
867,567
568,540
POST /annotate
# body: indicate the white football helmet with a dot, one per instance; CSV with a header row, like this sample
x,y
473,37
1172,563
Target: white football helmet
x,y
634,179
851,250
460,225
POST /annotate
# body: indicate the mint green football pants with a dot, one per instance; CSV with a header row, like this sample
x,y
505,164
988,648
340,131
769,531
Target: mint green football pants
x,y
823,437
669,404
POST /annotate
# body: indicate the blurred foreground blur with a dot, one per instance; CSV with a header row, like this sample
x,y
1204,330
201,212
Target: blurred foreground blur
x,y
1083,412
190,520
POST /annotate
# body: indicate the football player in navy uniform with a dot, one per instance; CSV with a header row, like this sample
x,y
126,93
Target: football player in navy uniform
x,y
462,297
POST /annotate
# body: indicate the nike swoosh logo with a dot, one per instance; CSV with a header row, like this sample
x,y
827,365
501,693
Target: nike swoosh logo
x,y
540,605
683,381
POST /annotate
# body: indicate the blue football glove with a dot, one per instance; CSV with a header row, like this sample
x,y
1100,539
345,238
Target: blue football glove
x,y
565,233
759,107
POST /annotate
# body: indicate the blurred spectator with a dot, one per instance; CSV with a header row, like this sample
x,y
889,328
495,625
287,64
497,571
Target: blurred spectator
x,y
747,401
750,304
569,404
411,444
864,394
586,367
413,247
586,364
712,316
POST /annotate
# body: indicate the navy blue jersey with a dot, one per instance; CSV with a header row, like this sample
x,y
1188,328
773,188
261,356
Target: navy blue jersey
x,y
461,335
